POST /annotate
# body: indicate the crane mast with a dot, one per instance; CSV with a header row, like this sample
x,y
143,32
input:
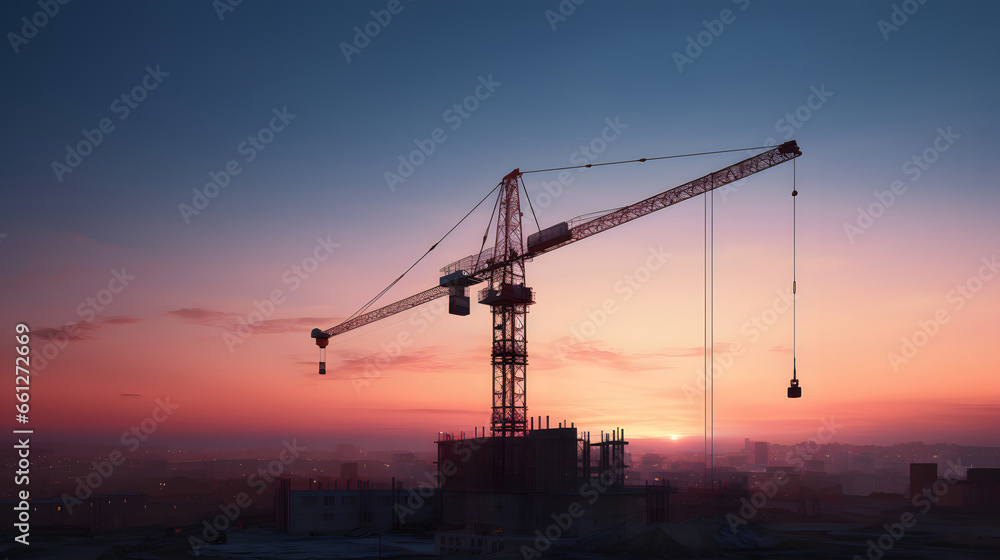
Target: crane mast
x,y
509,299
502,267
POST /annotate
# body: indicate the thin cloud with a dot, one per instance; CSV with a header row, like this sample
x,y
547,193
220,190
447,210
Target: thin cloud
x,y
203,317
294,324
430,359
230,321
435,411
121,320
697,351
82,330
596,352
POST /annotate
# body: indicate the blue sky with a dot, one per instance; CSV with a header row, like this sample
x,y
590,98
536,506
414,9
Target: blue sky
x,y
323,174
354,119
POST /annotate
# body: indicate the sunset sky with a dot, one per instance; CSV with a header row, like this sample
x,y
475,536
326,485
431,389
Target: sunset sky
x,y
118,223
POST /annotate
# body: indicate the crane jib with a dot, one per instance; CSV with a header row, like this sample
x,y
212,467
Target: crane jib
x,y
558,236
468,271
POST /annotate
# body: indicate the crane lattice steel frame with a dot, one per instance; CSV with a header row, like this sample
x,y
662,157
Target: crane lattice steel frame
x,y
508,296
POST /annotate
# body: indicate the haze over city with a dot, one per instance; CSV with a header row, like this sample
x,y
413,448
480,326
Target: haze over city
x,y
193,187
322,178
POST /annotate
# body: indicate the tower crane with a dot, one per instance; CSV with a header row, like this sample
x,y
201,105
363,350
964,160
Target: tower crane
x,y
501,267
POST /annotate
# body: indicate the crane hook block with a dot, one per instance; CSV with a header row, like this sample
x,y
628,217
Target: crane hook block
x,y
322,340
794,391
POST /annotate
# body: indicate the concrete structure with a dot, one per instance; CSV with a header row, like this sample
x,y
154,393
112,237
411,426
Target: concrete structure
x,y
100,512
466,544
485,484
922,476
760,453
980,489
322,512
548,476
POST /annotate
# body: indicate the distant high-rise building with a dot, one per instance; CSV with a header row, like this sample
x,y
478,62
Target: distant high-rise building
x,y
652,460
815,465
747,444
865,462
922,475
349,471
346,452
983,476
760,453
839,462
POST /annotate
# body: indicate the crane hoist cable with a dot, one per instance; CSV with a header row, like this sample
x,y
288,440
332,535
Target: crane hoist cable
x,y
486,234
393,283
709,342
525,187
597,213
794,391
511,419
711,336
642,160
366,306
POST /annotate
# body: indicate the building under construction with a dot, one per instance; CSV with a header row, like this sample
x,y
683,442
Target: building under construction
x,y
554,480
521,477
495,483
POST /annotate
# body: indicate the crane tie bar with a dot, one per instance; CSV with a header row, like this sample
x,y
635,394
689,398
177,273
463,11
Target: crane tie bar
x,y
641,160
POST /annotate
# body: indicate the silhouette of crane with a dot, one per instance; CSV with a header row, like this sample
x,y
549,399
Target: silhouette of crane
x,y
502,268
